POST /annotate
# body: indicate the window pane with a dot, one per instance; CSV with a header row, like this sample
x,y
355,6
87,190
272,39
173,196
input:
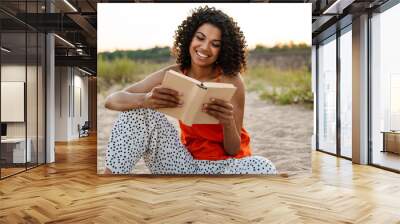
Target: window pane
x,y
386,88
346,94
31,97
41,98
13,84
327,96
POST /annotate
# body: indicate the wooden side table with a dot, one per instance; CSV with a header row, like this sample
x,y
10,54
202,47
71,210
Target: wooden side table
x,y
391,141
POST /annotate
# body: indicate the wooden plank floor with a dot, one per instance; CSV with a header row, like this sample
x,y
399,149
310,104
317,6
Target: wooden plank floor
x,y
70,191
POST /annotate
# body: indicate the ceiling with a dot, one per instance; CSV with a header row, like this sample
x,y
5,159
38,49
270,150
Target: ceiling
x,y
330,15
74,21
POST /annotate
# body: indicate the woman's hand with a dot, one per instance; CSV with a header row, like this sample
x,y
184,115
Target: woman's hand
x,y
160,97
221,110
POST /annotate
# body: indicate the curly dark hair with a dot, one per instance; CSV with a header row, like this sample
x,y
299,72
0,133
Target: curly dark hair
x,y
232,55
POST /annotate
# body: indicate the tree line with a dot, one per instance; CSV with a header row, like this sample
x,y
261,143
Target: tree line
x,y
163,54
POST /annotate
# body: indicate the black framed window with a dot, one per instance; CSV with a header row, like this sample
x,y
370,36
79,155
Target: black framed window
x,y
22,77
345,93
385,88
334,92
326,113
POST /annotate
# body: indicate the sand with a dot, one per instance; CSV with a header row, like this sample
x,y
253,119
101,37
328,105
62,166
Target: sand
x,y
281,133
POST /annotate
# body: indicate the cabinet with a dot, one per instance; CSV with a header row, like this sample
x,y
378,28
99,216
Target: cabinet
x,y
391,142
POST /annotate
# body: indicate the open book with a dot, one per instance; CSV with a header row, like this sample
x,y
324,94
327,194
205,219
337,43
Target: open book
x,y
195,94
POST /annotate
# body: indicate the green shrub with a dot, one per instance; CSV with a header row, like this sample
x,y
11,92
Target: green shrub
x,y
123,71
280,86
290,86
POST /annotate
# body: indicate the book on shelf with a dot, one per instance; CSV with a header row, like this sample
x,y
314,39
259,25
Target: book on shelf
x,y
195,94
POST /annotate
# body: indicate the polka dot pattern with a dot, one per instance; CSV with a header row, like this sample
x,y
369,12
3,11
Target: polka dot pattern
x,y
147,133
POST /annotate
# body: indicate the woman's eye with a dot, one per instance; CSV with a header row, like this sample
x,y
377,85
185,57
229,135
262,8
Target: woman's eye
x,y
216,45
200,38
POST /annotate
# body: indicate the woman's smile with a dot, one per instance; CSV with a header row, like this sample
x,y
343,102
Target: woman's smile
x,y
202,55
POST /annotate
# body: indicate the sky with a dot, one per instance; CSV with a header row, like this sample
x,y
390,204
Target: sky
x,y
131,26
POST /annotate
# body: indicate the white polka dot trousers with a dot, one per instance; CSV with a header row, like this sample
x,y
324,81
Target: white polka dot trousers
x,y
147,133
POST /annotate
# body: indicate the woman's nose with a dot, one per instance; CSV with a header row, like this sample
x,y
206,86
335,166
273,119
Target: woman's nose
x,y
205,46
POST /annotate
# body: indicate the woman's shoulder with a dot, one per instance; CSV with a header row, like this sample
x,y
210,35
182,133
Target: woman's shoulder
x,y
236,80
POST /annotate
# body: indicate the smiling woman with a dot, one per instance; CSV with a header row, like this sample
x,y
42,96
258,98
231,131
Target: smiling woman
x,y
209,46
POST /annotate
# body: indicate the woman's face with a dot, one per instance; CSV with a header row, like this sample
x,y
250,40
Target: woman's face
x,y
206,45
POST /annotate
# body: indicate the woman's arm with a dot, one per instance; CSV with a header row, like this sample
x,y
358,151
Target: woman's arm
x,y
144,94
230,115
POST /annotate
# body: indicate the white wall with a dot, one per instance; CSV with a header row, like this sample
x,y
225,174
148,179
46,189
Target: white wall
x,y
85,99
50,95
70,83
61,103
14,73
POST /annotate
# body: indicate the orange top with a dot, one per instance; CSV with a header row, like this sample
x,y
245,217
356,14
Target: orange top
x,y
206,141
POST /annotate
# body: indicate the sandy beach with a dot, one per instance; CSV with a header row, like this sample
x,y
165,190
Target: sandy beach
x,y
281,133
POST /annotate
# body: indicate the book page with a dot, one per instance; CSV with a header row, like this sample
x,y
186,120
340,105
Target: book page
x,y
182,84
196,103
223,91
